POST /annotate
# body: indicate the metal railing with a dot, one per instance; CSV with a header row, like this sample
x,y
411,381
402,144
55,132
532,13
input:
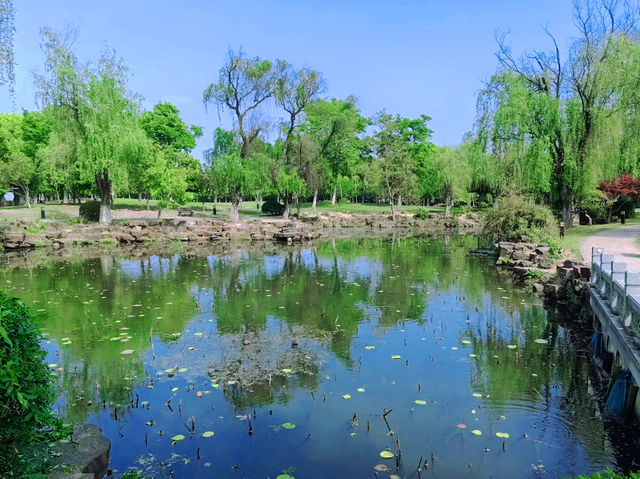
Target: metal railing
x,y
621,288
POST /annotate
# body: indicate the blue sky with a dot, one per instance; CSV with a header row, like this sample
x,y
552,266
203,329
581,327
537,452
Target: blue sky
x,y
409,57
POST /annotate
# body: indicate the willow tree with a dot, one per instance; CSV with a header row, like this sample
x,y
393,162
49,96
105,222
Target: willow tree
x,y
96,122
7,58
538,105
244,86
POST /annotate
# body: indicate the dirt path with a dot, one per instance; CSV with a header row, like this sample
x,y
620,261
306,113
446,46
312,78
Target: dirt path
x,y
620,242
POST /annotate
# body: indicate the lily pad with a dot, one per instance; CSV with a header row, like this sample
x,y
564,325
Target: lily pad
x,y
360,390
461,426
541,341
208,434
346,396
421,402
177,438
396,356
286,370
127,351
503,435
370,348
386,455
512,346
465,341
477,395
285,476
476,432
174,389
182,370
288,425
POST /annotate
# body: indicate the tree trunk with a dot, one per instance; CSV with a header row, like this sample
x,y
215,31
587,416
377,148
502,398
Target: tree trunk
x,y
148,202
203,206
139,196
447,202
103,183
399,200
234,214
298,205
65,197
159,212
315,199
27,198
335,193
287,208
393,211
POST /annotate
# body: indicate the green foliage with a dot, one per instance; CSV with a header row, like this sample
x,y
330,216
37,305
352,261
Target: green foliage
x,y
272,207
90,211
165,127
26,390
611,475
421,214
513,217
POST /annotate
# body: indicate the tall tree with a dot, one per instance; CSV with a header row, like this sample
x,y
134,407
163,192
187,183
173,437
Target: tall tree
x,y
7,58
164,126
563,104
16,168
334,126
244,86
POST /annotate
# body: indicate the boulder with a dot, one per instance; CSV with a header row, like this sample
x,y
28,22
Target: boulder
x,y
88,453
538,288
544,262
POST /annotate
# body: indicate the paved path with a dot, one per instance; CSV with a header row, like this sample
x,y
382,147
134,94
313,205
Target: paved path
x,y
620,242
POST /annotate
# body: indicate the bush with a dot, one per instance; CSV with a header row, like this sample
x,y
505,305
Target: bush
x,y
514,217
421,214
624,204
90,210
272,207
26,391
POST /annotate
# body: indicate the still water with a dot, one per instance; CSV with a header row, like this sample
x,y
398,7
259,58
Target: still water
x,y
290,358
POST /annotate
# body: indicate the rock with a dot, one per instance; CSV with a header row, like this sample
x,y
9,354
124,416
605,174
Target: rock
x,y
520,255
525,238
551,291
565,272
538,288
542,250
544,262
87,453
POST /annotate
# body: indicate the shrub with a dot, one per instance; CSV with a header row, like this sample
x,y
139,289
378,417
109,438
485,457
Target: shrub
x,y
421,214
26,391
514,217
90,210
272,207
624,204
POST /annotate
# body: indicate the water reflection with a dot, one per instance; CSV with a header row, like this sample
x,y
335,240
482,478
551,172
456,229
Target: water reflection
x,y
239,342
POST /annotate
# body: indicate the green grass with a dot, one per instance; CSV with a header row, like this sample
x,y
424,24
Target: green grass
x,y
248,210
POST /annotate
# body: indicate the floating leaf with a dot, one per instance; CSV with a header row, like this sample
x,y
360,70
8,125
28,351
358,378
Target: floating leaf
x,y
370,348
286,370
288,425
473,355
421,402
197,334
182,370
381,468
360,390
476,432
503,417
53,365
465,341
127,351
177,438
503,435
512,346
477,395
346,396
208,434
144,403
541,341
174,389
396,356
215,385
386,455
285,476
461,426
454,348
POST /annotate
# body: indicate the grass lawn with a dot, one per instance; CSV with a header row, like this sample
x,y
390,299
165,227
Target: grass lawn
x,y
248,210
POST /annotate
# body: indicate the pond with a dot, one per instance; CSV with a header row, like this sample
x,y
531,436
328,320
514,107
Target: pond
x,y
251,365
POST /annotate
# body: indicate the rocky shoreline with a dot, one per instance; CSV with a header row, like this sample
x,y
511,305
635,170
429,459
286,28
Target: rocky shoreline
x,y
26,234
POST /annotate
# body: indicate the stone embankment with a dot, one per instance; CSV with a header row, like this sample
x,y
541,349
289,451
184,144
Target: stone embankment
x,y
86,456
559,281
24,234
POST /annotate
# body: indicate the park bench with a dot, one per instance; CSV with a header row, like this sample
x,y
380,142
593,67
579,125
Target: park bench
x,y
185,212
